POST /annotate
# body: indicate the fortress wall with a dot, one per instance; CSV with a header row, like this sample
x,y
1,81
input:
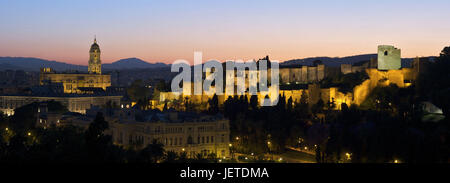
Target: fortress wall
x,y
346,68
312,74
295,75
304,78
284,73
320,72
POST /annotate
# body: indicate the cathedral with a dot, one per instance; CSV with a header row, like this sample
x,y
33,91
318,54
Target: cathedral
x,y
78,91
95,64
79,83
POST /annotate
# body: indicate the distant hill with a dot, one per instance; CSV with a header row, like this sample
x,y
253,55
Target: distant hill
x,y
34,64
330,61
337,61
131,63
6,66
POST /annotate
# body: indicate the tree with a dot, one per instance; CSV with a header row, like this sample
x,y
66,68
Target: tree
x,y
171,157
138,92
289,104
318,107
98,143
304,98
437,82
161,86
254,102
153,153
24,118
213,105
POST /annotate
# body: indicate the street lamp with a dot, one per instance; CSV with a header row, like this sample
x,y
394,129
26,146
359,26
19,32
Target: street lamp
x,y
349,156
268,146
231,150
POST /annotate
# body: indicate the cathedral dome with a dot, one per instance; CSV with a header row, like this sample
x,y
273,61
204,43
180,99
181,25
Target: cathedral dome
x,y
95,47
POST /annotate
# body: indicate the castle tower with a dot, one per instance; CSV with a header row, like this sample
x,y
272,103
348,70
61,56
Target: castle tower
x,y
95,64
389,58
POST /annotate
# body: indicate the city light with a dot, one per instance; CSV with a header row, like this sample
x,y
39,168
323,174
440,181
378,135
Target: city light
x,y
385,109
349,156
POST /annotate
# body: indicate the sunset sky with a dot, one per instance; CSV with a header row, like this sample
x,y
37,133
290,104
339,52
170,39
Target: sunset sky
x,y
165,30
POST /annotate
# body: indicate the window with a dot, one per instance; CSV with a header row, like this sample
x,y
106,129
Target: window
x,y
385,53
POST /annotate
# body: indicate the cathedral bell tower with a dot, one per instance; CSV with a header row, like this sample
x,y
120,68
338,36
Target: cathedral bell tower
x,y
95,64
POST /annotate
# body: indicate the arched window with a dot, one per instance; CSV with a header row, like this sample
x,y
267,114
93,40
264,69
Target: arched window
x,y
385,53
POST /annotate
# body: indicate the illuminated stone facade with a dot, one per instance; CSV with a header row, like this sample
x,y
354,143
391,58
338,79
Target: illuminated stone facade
x,y
204,136
73,81
391,73
389,58
303,74
95,64
73,103
177,131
